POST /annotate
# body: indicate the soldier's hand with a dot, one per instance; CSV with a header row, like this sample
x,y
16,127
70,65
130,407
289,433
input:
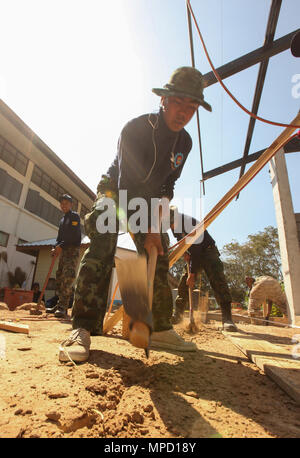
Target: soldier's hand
x,y
186,257
191,281
153,239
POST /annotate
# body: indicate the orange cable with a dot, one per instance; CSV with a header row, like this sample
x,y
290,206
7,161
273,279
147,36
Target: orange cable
x,y
223,85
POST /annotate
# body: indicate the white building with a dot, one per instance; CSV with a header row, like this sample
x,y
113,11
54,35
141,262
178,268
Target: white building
x,y
32,179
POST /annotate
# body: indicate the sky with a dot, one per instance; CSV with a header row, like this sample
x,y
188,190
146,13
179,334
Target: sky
x,y
76,71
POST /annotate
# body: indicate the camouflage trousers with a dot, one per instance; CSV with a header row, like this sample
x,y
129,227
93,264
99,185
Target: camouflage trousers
x,y
66,274
266,289
214,270
94,274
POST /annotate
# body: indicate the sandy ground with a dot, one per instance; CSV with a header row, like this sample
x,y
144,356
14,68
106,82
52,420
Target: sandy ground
x,y
216,392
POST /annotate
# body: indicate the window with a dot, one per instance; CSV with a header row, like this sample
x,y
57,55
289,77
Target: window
x,y
3,238
42,208
21,241
45,184
10,187
13,157
36,176
43,180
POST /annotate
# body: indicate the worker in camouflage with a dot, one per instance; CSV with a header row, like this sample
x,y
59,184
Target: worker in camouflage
x,y
152,150
92,284
66,274
265,289
67,248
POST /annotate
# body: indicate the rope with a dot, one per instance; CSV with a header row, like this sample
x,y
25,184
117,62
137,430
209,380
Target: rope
x,y
223,85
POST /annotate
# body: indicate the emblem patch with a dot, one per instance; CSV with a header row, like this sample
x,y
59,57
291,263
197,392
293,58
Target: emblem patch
x,y
176,160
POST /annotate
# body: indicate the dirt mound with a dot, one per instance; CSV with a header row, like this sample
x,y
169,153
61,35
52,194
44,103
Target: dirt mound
x,y
118,393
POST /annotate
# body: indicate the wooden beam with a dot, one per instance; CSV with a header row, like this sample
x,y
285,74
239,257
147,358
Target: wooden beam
x,y
187,241
276,362
250,59
14,327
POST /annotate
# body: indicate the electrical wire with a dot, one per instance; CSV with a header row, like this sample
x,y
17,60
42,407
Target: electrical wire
x,y
223,85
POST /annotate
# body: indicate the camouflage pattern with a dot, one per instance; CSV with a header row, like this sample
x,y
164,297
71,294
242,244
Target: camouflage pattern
x,y
265,289
93,279
66,274
185,82
214,270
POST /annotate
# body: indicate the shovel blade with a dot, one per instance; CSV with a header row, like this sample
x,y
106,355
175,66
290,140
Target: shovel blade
x,y
132,278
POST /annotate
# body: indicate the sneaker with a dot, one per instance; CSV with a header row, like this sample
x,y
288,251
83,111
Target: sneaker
x,y
170,340
60,313
229,326
51,309
77,347
177,318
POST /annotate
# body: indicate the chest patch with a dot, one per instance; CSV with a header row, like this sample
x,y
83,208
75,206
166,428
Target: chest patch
x,y
176,160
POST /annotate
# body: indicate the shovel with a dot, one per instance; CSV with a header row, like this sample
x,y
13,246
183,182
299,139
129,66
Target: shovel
x,y
192,328
136,287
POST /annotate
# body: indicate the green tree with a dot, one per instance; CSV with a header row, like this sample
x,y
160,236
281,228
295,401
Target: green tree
x,y
258,256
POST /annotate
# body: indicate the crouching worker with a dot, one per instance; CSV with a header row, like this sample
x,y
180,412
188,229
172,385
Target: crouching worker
x,y
152,150
262,290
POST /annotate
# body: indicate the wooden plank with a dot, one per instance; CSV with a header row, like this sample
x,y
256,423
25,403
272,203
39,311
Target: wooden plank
x,y
113,320
14,327
276,362
187,241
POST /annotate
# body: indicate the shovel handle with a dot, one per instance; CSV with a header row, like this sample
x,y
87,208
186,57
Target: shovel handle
x,y
190,296
151,274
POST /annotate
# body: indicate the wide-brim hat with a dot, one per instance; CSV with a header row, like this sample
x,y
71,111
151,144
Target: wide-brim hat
x,y
185,82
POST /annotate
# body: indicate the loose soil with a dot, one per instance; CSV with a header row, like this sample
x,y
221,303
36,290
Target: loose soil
x,y
119,393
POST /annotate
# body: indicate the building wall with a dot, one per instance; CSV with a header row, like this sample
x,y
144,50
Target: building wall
x,y
297,216
31,211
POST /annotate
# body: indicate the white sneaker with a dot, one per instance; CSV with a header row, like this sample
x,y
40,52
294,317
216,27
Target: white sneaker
x,y
170,340
77,347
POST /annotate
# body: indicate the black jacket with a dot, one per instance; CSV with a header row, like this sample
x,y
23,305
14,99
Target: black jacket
x,y
69,231
199,246
150,159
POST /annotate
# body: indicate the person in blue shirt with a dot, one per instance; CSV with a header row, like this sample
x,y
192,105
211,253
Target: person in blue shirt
x,y
67,248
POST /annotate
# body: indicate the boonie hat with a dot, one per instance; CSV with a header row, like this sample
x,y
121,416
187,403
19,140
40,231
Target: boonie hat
x,y
185,82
